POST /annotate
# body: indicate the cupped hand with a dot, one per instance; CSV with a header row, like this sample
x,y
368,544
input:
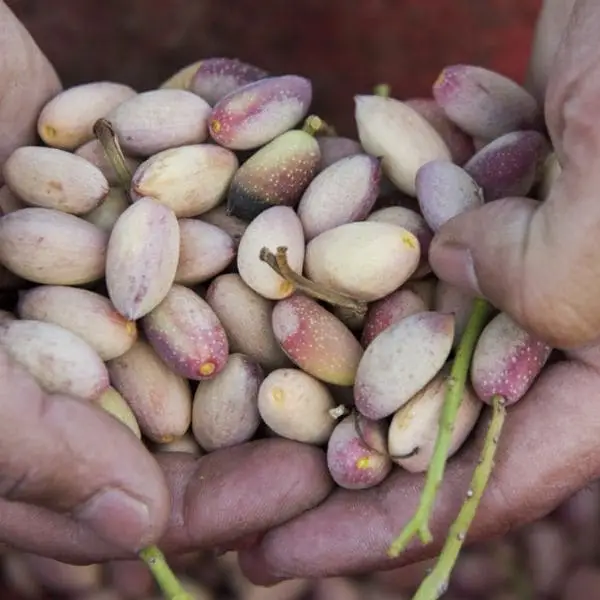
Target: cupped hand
x,y
75,484
541,264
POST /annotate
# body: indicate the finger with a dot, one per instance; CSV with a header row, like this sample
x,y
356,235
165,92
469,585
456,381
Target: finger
x,y
27,82
217,499
541,262
552,20
236,493
548,450
71,457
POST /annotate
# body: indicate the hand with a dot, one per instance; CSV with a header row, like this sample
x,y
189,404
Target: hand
x,y
539,263
75,484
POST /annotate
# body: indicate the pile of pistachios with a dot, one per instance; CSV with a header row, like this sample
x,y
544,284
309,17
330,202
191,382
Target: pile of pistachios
x,y
211,262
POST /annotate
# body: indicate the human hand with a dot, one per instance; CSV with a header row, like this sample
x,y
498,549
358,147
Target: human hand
x,y
59,455
540,264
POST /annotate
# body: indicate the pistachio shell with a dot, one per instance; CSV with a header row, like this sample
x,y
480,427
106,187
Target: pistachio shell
x,y
205,251
181,79
67,121
186,333
87,314
246,317
186,443
220,217
52,178
389,310
225,411
94,153
160,399
425,289
342,193
453,300
277,226
459,143
160,119
445,190
113,403
352,464
296,406
365,260
401,361
190,180
414,428
411,221
277,174
510,165
48,246
142,258
214,78
106,214
484,103
507,360
59,360
334,148
315,340
398,134
258,112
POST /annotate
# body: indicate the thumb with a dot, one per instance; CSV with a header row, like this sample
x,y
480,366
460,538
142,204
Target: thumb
x,y
70,457
540,262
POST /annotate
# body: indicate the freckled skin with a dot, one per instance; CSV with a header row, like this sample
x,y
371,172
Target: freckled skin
x,y
217,77
389,310
351,463
186,333
483,103
316,340
506,360
508,166
278,174
258,112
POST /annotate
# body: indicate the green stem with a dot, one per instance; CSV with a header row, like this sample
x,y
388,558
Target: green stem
x,y
436,583
165,578
314,125
382,89
107,137
419,524
278,262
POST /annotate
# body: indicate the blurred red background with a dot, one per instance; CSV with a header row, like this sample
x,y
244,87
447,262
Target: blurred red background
x,y
345,46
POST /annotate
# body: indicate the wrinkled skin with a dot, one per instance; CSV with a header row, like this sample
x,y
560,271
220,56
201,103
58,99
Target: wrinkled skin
x,y
536,262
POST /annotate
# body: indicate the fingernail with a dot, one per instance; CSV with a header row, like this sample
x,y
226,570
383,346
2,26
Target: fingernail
x,y
454,264
118,518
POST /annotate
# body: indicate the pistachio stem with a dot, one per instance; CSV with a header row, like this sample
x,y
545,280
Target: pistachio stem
x,y
104,132
165,578
338,412
419,524
278,262
314,125
436,583
382,89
